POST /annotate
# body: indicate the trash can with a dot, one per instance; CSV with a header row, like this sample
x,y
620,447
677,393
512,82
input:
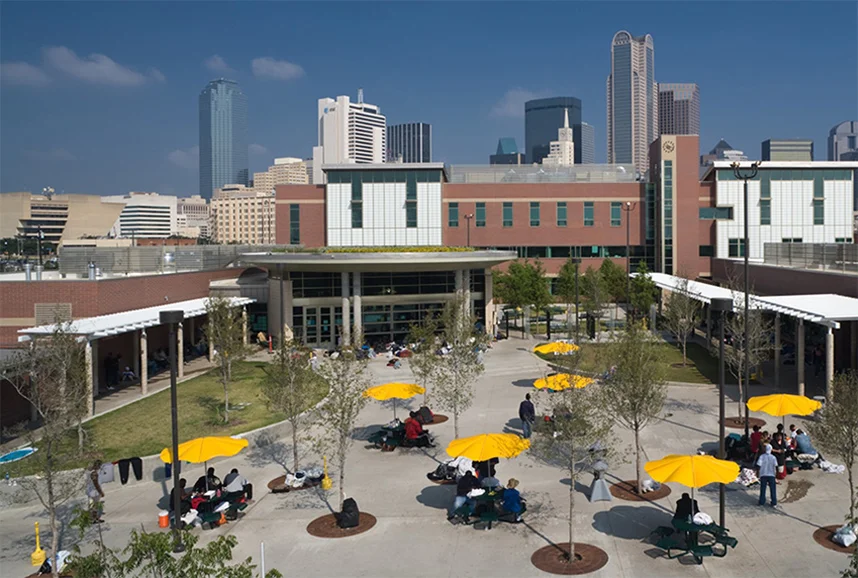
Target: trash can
x,y
163,519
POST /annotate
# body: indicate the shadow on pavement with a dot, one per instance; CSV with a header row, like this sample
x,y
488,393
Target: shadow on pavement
x,y
439,497
630,522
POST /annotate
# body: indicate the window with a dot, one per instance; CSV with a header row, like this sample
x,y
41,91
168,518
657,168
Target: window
x,y
792,240
616,214
843,240
507,214
818,211
736,248
453,215
765,211
561,214
480,214
294,224
534,214
411,201
357,201
715,213
588,213
706,250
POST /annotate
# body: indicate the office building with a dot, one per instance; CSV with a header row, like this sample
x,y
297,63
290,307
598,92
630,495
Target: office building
x,y
722,152
147,215
409,143
795,149
349,132
588,144
193,213
243,215
842,139
284,171
562,151
632,100
60,217
678,108
507,153
542,118
223,136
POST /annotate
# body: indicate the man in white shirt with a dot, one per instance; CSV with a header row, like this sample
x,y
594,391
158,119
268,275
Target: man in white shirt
x,y
768,465
235,483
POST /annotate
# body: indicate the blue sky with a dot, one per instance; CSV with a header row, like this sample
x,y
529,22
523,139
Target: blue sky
x,y
102,97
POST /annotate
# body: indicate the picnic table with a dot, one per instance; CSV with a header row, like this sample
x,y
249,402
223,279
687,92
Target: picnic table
x,y
689,543
388,438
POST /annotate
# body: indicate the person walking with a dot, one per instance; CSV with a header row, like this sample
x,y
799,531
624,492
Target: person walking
x,y
768,465
527,415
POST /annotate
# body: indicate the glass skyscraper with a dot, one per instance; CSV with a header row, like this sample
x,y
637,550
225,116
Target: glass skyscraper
x,y
411,141
223,136
542,118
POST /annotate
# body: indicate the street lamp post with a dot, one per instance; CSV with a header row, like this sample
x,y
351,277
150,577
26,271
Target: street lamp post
x,y
628,208
577,263
173,319
468,218
722,306
746,176
39,236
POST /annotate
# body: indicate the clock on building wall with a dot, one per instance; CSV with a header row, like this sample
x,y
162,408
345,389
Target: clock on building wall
x,y
668,146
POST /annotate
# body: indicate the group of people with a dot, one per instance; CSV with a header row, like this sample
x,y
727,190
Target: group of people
x,y
771,452
233,487
115,372
482,477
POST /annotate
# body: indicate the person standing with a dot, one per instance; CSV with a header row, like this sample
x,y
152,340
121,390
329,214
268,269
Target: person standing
x,y
94,492
527,415
767,465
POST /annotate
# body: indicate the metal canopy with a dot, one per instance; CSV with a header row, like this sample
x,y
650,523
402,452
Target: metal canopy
x,y
117,323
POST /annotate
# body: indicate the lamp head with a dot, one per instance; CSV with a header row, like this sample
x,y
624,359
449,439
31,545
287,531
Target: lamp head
x,y
168,317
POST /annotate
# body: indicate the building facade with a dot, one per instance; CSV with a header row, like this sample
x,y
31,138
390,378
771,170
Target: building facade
x,y
193,213
348,133
60,217
678,108
242,215
561,152
284,171
721,152
542,118
795,149
223,136
588,144
410,142
632,100
843,139
507,153
145,215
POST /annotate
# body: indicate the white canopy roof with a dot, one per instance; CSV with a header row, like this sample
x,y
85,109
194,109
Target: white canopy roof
x,y
116,323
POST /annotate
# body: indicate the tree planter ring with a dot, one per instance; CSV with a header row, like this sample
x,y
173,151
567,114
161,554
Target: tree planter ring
x,y
553,559
326,526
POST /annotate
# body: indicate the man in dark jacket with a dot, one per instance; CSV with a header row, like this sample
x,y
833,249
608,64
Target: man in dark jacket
x,y
466,483
527,414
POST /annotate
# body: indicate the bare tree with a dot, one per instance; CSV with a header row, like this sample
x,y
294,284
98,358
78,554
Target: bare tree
x,y
638,388
681,314
836,430
337,415
290,387
225,334
423,361
52,375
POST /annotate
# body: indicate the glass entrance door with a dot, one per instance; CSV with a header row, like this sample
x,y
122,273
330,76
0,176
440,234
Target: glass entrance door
x,y
318,326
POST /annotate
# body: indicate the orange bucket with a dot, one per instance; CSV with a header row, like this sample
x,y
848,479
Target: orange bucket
x,y
163,519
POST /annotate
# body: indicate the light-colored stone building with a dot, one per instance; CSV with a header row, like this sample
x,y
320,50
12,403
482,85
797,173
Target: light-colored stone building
x,y
243,215
284,171
60,217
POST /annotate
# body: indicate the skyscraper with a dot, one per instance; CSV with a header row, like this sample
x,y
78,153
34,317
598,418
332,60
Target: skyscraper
x,y
678,108
588,144
348,133
223,136
632,100
542,118
507,153
561,151
842,139
411,141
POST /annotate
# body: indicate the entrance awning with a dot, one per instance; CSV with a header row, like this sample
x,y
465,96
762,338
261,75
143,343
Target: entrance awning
x,y
117,323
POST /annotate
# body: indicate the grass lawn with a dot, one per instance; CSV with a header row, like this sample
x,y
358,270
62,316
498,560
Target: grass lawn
x,y
144,428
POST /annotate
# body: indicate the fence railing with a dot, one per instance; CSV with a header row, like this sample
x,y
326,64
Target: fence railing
x,y
841,257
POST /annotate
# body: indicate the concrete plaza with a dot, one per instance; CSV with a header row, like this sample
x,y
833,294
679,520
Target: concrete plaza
x,y
413,536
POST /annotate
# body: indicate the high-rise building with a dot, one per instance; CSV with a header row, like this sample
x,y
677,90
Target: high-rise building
x,y
223,136
790,149
284,171
562,151
678,108
632,100
349,132
588,144
193,212
411,142
542,118
507,153
242,215
842,139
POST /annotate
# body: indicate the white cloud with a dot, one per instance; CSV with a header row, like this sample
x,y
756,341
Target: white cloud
x,y
512,103
185,158
267,67
23,74
217,64
257,149
97,68
57,154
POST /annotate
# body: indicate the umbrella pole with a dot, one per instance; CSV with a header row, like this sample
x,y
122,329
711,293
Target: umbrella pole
x,y
394,408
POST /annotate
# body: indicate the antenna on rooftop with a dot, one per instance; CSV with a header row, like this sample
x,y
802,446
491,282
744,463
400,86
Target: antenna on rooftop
x,y
360,96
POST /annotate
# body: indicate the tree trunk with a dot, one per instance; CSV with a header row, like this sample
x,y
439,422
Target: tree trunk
x,y
226,393
569,320
572,476
684,350
80,436
342,480
55,533
851,492
526,330
455,424
294,445
638,460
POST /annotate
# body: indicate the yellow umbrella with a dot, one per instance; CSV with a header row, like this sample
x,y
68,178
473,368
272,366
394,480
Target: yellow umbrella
x,y
394,391
560,381
782,404
692,471
487,446
203,449
556,347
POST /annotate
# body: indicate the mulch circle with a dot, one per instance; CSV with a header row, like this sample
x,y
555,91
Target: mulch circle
x,y
326,526
626,490
440,482
823,538
439,418
739,423
552,559
278,486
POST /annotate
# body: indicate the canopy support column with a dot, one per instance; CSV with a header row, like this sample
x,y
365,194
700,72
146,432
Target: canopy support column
x,y
358,310
708,326
829,363
144,362
244,325
180,351
347,324
91,376
777,349
488,298
799,355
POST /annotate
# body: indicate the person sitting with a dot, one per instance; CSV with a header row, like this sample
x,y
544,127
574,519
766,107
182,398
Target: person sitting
x,y
685,508
207,482
512,500
464,486
236,486
128,375
415,435
804,447
486,469
755,439
184,497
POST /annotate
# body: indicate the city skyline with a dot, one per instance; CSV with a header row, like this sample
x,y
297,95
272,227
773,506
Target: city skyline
x,y
85,110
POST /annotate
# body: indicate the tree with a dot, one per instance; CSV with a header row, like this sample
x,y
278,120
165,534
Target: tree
x,y
566,290
681,314
580,433
638,388
836,429
455,373
523,285
51,374
347,380
644,289
423,361
225,334
595,293
290,386
614,278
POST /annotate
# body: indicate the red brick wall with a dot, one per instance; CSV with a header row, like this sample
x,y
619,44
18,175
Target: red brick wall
x,y
311,199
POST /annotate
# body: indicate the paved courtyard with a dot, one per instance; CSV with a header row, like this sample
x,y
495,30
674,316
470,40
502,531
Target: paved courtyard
x,y
412,535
